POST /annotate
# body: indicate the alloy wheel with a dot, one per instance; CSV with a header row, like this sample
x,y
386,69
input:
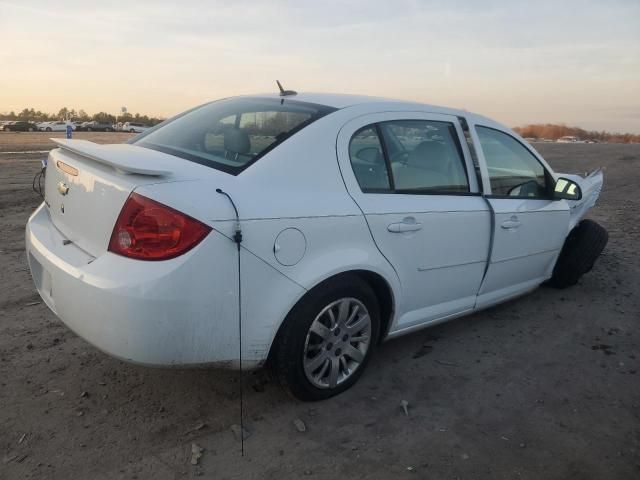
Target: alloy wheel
x,y
337,343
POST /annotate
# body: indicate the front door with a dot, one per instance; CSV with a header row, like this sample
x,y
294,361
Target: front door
x,y
412,177
529,226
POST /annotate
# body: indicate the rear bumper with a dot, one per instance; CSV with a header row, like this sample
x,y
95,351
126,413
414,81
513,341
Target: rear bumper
x,y
176,312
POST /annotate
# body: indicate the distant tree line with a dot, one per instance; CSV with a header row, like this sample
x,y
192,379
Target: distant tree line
x,y
553,132
31,115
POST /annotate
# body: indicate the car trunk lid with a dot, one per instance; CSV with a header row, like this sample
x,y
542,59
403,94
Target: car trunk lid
x,y
87,184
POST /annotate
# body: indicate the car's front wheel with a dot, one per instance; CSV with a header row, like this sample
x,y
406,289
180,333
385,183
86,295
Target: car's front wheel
x,y
328,338
48,129
580,251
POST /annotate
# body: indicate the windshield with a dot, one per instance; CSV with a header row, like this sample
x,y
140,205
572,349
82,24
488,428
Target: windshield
x,y
231,134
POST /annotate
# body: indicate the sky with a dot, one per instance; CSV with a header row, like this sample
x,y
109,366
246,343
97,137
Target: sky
x,y
519,62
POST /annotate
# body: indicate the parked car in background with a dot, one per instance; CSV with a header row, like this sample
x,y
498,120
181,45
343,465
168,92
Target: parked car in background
x,y
54,127
569,139
134,127
97,127
20,126
339,221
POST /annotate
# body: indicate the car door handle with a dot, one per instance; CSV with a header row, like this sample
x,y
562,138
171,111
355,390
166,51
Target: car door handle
x,y
405,226
511,224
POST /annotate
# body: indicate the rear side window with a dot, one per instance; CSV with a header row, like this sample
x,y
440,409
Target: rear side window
x,y
425,156
513,170
409,156
230,135
367,160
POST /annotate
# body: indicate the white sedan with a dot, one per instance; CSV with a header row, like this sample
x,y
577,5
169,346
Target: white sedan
x,y
300,229
55,127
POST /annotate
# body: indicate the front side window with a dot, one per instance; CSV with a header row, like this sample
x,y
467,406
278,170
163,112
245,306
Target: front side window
x,y
513,170
425,156
231,134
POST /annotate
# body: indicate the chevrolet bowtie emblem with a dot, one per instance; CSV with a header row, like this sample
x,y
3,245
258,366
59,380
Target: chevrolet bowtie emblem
x,y
63,188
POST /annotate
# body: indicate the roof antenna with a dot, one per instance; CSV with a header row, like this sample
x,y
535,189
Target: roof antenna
x,y
283,92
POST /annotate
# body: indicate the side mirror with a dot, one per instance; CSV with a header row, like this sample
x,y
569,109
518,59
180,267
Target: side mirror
x,y
566,189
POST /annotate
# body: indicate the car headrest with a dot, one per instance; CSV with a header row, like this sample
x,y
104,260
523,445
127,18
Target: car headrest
x,y
237,140
428,154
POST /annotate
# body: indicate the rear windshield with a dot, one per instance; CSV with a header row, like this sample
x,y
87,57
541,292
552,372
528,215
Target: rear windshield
x,y
230,135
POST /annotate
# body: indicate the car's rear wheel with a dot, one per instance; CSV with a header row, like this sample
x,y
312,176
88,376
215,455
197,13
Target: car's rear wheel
x,y
328,339
579,253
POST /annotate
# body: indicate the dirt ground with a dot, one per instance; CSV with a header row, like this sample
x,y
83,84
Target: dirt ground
x,y
545,387
37,141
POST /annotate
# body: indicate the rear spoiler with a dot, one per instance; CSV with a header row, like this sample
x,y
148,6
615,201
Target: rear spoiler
x,y
125,158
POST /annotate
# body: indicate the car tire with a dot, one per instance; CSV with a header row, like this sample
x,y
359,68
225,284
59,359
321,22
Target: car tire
x,y
299,347
132,131
48,129
579,253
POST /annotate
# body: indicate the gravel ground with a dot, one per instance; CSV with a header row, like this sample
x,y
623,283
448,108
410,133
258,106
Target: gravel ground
x,y
542,387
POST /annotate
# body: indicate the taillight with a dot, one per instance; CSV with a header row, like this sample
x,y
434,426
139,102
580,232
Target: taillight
x,y
148,230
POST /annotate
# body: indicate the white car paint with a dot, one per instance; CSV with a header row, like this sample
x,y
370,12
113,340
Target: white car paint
x,y
437,253
304,219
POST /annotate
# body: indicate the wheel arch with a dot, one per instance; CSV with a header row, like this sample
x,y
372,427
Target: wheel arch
x,y
380,286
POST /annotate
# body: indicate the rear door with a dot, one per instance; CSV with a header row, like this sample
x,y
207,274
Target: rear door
x,y
529,227
410,174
